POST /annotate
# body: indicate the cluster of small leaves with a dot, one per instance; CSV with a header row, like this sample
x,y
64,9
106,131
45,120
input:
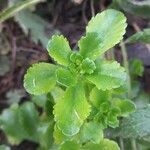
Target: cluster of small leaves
x,y
87,105
108,107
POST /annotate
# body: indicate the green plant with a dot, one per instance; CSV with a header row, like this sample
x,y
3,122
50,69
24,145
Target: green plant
x,y
90,102
135,7
9,12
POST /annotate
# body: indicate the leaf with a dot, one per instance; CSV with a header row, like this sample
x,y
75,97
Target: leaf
x,y
59,136
45,134
126,106
70,145
48,109
88,66
59,49
40,78
142,100
137,125
112,120
29,119
97,97
108,75
136,68
4,147
10,124
135,7
9,12
57,92
37,26
105,144
65,77
39,100
91,131
87,49
136,87
142,36
76,109
14,96
103,32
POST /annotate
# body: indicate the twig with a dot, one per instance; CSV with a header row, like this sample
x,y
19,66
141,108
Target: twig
x,y
27,50
14,49
83,12
121,143
133,144
126,65
102,6
92,7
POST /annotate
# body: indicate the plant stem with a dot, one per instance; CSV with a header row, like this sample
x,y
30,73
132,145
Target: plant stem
x,y
11,11
126,65
92,7
121,143
133,144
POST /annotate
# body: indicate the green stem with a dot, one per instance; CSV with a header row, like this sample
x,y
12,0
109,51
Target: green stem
x,y
121,143
126,65
133,144
11,11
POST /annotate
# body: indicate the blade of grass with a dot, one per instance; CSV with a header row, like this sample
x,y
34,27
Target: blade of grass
x,y
11,11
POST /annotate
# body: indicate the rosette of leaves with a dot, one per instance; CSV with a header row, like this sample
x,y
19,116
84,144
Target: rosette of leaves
x,y
79,73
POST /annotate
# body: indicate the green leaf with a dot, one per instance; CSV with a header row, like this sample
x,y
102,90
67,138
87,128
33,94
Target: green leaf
x,y
103,32
97,97
105,144
70,145
142,100
59,49
76,109
136,68
137,125
9,12
35,26
87,66
39,100
135,7
40,78
142,36
48,109
136,88
57,92
112,120
59,137
4,147
76,58
91,131
108,75
14,96
45,134
86,49
126,106
10,124
65,77
29,119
